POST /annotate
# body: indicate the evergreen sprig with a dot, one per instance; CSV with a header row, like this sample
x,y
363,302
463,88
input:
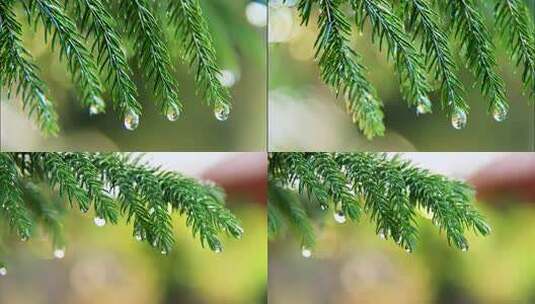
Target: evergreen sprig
x,y
513,20
64,33
18,70
422,19
93,44
144,28
390,190
94,18
114,185
192,30
426,23
474,37
340,66
387,27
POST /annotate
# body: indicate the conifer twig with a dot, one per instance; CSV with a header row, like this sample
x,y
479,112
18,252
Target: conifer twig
x,y
340,66
390,190
470,29
144,27
94,18
192,30
65,34
425,21
18,70
516,26
114,185
388,27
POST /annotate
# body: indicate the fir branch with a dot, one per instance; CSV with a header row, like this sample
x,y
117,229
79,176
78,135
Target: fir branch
x,y
12,207
192,30
392,190
340,66
94,18
293,169
145,193
385,195
513,18
50,214
17,70
65,34
275,220
288,202
388,27
470,29
425,21
204,210
330,175
143,26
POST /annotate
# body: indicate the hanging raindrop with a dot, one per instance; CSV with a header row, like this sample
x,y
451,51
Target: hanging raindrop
x,y
382,234
99,221
97,106
3,271
408,249
131,120
218,248
339,215
423,106
59,253
138,236
222,112
306,252
459,119
464,247
172,113
500,113
164,252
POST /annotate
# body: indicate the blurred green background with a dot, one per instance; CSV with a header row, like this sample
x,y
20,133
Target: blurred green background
x,y
351,264
304,114
107,264
238,29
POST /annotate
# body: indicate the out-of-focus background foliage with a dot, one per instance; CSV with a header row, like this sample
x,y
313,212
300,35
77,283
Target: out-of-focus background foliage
x,y
239,31
107,265
353,265
305,115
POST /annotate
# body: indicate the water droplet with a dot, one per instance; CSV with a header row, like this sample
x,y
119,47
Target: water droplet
x,y
323,207
151,210
459,119
306,252
24,238
99,221
3,271
222,112
84,209
423,106
131,120
138,236
464,247
59,253
382,234
218,249
408,249
164,252
172,113
339,216
97,106
500,113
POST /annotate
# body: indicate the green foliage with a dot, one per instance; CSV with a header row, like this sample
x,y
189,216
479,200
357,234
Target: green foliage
x,y
401,25
115,186
391,191
92,36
